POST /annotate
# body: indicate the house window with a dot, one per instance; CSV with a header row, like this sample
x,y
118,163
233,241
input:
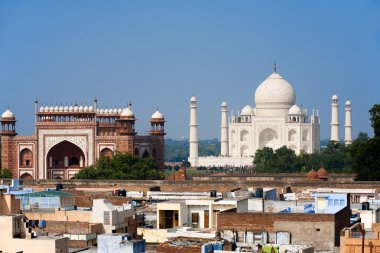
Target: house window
x,y
330,202
106,218
341,202
336,202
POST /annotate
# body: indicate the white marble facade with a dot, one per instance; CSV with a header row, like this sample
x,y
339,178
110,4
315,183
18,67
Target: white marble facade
x,y
275,121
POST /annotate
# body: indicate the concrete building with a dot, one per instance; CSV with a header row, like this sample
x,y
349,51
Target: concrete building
x,y
83,225
316,224
119,243
15,237
351,239
195,213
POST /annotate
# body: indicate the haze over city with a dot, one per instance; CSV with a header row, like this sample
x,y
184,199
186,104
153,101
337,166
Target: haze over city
x,y
160,53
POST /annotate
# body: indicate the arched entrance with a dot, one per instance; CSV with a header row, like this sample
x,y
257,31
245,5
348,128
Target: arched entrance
x,y
64,160
106,152
26,176
268,138
145,154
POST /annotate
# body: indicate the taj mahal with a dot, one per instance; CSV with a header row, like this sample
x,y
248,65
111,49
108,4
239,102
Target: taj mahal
x,y
275,121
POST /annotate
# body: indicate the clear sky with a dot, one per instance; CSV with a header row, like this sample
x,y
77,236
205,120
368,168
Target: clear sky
x,y
160,53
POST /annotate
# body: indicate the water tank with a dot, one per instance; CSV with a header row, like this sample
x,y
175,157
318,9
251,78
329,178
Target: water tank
x,y
43,224
59,186
122,192
365,206
213,193
259,192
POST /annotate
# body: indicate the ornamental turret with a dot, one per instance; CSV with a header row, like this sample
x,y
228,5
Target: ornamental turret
x,y
8,123
157,122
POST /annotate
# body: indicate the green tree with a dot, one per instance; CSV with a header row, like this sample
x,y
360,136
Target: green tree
x,y
375,119
265,160
6,173
122,166
365,151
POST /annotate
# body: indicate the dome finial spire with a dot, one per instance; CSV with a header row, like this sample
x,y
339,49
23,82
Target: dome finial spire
x,y
274,67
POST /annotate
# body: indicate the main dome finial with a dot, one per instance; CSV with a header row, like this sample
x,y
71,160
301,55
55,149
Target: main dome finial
x,y
274,67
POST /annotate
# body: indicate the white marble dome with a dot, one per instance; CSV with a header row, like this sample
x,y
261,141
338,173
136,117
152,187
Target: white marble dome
x,y
334,97
8,114
275,92
157,115
348,102
295,110
224,104
42,109
90,108
193,99
71,108
66,108
85,108
247,110
127,112
60,108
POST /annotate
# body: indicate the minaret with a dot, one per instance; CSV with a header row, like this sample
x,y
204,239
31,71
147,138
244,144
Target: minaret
x,y
334,119
224,131
348,125
193,156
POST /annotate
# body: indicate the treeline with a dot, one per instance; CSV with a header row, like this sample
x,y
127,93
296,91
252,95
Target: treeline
x,y
122,166
178,150
335,157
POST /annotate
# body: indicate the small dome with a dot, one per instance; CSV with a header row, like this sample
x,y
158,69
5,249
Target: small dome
x,y
8,114
348,102
71,108
51,109
119,111
66,108
295,110
304,111
322,173
114,111
60,108
193,99
224,104
106,111
312,175
85,108
334,97
80,109
90,108
157,115
247,110
56,109
76,108
101,111
42,109
127,113
47,108
275,91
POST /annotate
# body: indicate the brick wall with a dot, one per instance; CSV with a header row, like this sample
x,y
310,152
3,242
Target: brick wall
x,y
67,227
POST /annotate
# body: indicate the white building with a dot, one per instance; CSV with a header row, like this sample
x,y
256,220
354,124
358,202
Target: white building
x,y
275,121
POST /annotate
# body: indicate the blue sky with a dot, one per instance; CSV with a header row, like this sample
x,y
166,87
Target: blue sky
x,y
159,53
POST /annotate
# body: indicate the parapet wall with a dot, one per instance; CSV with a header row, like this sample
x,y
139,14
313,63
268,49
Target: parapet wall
x,y
224,185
